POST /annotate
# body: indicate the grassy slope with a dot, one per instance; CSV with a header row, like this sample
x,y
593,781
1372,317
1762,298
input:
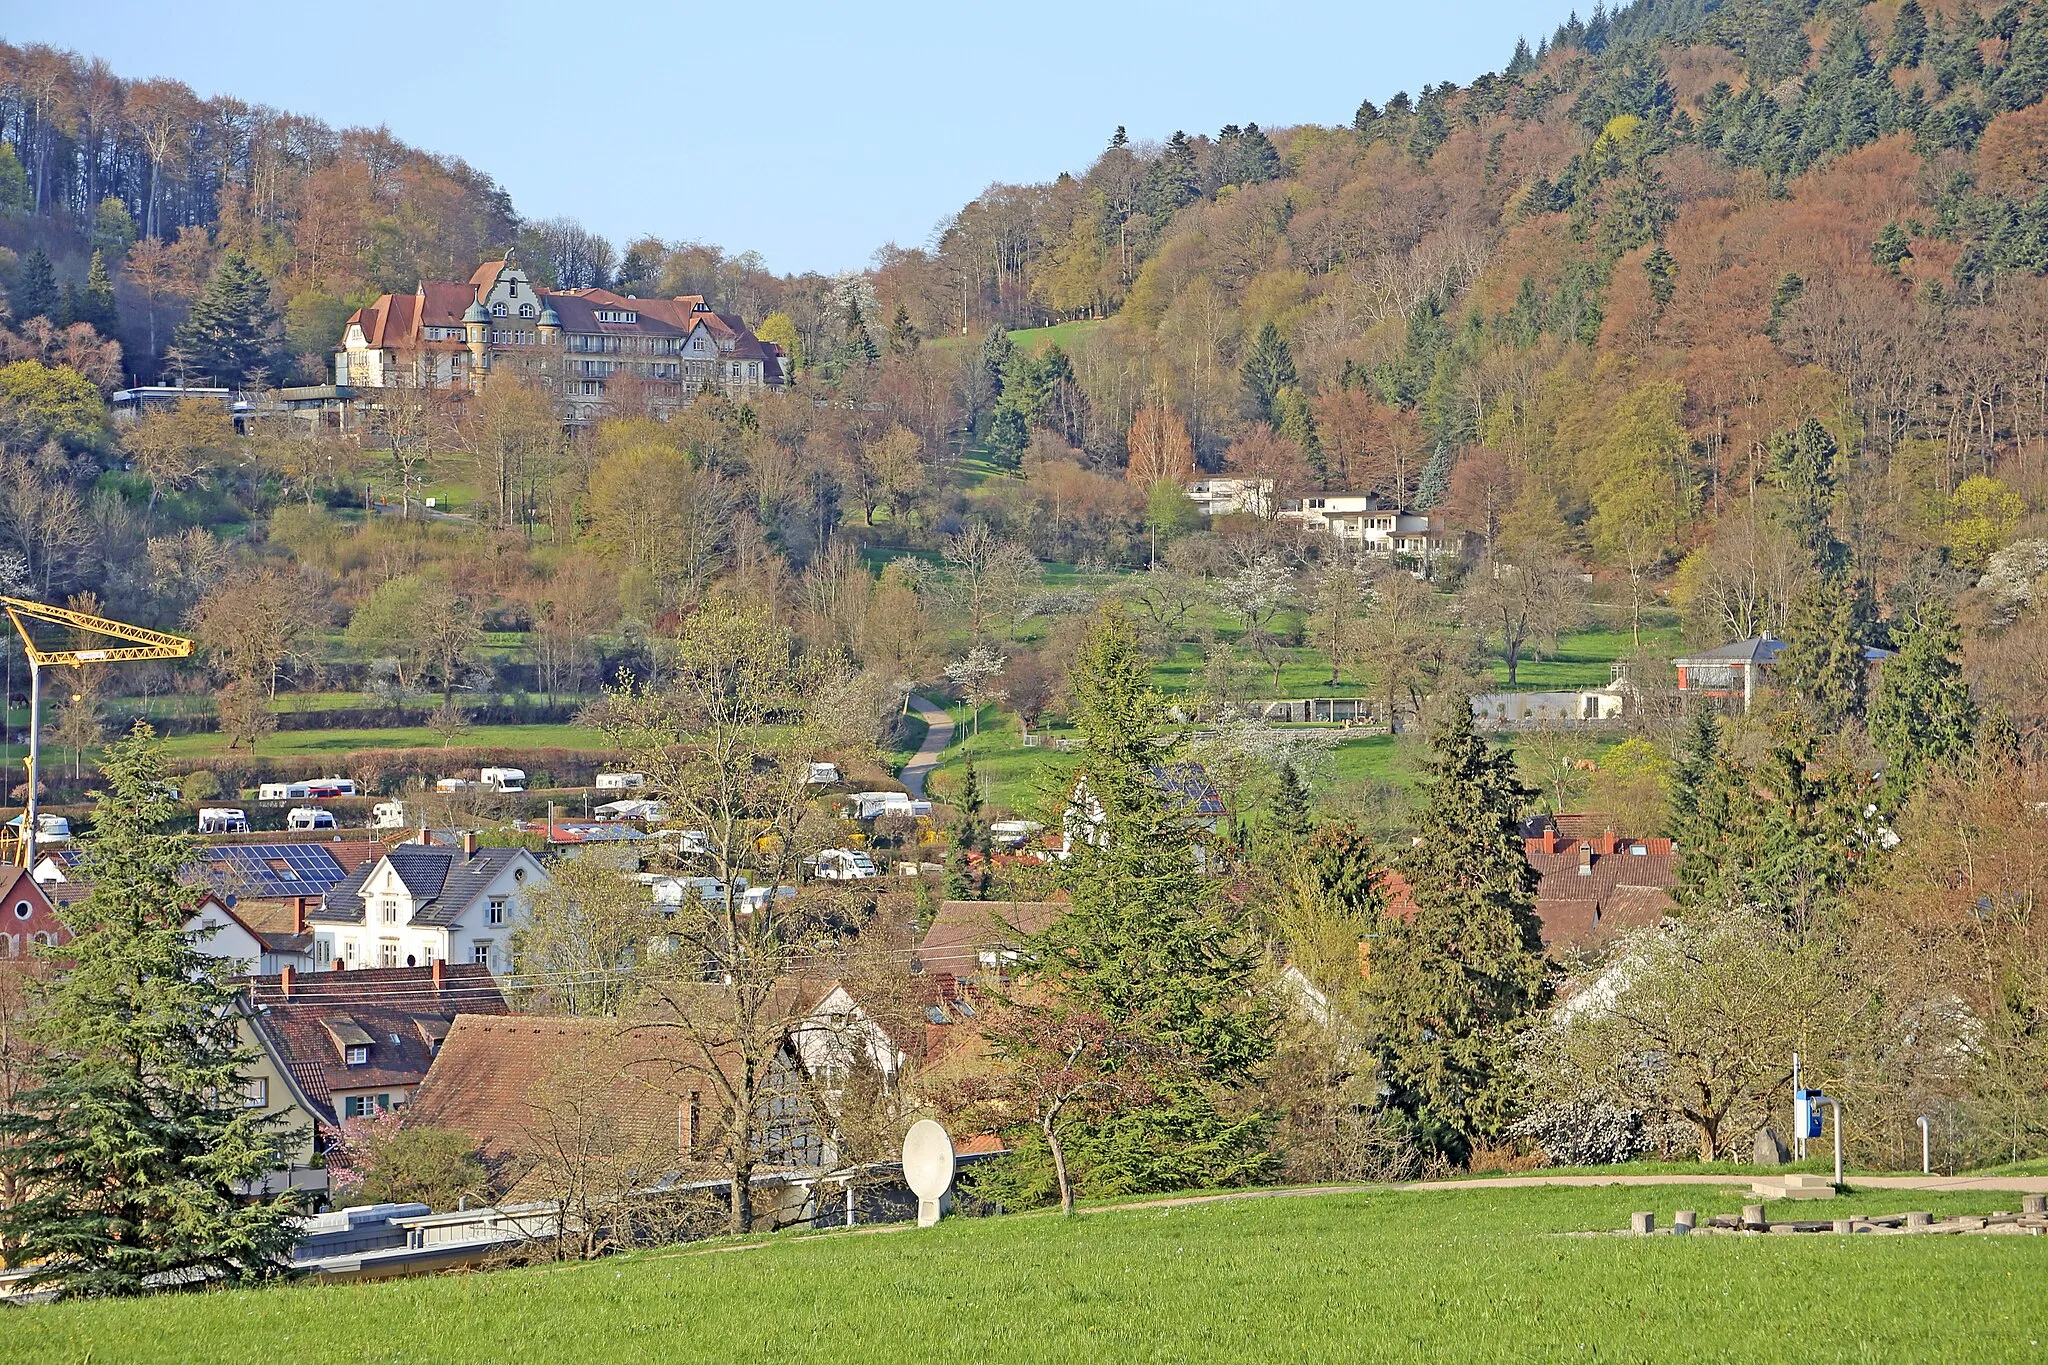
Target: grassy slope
x,y
1455,1276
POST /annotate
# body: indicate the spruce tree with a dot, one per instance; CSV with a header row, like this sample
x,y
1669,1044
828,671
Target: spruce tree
x,y
1908,42
1293,807
967,873
1922,716
35,288
1803,467
1451,986
904,338
1891,247
1697,755
134,1143
1268,368
1822,662
1523,61
1147,940
857,347
997,351
96,304
231,334
1662,269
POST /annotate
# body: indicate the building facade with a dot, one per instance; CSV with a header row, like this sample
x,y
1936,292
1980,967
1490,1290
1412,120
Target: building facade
x,y
1368,523
425,903
576,345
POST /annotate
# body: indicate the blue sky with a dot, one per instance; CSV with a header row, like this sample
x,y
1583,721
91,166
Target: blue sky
x,y
810,132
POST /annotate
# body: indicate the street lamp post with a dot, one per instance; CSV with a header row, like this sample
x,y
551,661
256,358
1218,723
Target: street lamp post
x,y
1926,1151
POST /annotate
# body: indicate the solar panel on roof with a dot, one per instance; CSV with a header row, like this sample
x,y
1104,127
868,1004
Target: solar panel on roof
x,y
274,869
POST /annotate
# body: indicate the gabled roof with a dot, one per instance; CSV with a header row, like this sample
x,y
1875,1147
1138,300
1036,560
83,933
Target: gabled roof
x,y
484,277
442,880
306,1025
962,929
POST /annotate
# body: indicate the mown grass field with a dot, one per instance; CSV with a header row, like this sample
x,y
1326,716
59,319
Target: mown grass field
x,y
1438,1275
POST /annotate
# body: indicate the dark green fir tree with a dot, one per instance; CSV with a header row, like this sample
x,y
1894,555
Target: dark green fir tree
x,y
133,1144
1268,368
96,304
35,292
1451,986
1822,663
904,338
1698,752
231,334
1148,939
1922,717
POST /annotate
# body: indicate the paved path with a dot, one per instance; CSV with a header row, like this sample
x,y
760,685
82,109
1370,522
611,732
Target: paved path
x,y
938,734
2012,1184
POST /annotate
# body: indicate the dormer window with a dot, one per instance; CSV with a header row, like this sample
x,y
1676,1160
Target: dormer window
x,y
357,1055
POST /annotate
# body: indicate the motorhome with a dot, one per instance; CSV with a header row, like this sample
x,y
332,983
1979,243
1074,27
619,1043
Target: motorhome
x,y
321,788
50,829
845,865
1013,833
452,784
223,820
284,791
309,817
389,815
502,779
868,805
621,782
821,774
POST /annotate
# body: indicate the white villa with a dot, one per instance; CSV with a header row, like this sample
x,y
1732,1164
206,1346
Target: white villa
x,y
426,903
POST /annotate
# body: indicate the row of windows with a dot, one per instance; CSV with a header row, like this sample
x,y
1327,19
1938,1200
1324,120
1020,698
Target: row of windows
x,y
10,946
585,341
362,1106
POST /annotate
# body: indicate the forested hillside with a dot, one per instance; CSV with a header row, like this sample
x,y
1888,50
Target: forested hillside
x,y
1738,307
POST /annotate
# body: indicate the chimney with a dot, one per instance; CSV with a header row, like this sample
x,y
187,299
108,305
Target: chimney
x,y
298,914
284,982
339,965
1586,859
469,843
426,835
1606,841
440,974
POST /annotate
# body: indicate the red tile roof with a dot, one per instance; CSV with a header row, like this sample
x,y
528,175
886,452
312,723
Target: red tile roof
x,y
962,929
400,1009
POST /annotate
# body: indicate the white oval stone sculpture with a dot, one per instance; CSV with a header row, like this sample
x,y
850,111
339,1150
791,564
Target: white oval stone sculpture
x,y
928,1168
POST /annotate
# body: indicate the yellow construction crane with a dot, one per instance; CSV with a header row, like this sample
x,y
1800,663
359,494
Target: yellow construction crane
x,y
142,644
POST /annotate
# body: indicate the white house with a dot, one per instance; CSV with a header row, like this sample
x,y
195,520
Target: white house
x,y
426,903
1224,496
1367,523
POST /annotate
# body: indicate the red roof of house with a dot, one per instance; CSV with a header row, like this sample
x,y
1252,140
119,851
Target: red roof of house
x,y
399,1013
962,929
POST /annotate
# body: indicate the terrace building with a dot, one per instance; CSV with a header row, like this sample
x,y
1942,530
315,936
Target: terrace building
x,y
576,345
1368,523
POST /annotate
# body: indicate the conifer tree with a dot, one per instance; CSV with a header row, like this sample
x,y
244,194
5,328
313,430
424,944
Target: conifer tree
x,y
231,334
857,347
904,338
1780,836
96,304
1923,716
967,877
997,353
134,1144
1662,269
1435,484
1822,662
1908,42
1698,753
35,289
1268,368
1146,940
1293,808
1803,466
1891,247
1451,986
1523,61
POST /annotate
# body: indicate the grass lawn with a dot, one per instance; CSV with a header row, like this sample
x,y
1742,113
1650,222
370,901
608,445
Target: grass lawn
x,y
1439,1275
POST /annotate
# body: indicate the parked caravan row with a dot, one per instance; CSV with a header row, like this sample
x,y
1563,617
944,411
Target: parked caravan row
x,y
318,789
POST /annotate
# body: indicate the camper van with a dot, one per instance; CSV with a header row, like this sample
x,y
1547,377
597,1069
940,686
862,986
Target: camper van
x,y
868,805
621,782
845,865
321,788
821,774
389,815
631,809
223,820
284,791
50,829
309,817
452,784
502,779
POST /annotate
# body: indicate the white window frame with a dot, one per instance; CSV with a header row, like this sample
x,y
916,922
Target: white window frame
x,y
356,1054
